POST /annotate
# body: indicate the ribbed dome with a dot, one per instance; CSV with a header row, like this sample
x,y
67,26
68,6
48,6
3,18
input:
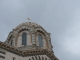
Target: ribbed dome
x,y
28,36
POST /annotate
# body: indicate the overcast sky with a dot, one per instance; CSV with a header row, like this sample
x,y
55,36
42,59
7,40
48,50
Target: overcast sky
x,y
59,17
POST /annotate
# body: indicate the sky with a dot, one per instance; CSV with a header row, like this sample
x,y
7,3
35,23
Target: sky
x,y
61,18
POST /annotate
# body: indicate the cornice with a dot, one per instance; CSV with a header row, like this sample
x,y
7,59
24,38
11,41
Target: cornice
x,y
27,52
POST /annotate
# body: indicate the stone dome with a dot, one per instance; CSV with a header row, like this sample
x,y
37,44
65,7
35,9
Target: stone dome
x,y
31,24
35,37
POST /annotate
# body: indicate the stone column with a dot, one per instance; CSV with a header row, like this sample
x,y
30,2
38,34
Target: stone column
x,y
44,43
33,39
28,40
19,41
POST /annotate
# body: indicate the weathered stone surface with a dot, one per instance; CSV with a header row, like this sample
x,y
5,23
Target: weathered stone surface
x,y
12,48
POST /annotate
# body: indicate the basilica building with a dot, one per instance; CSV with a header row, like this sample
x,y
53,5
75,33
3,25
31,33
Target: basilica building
x,y
28,41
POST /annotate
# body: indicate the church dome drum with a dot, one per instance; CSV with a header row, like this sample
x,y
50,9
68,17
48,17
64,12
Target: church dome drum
x,y
28,36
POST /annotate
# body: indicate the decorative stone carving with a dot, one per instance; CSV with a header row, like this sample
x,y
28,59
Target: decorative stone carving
x,y
32,49
32,30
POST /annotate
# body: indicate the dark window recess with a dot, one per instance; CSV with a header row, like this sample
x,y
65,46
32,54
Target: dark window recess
x,y
40,39
2,57
42,58
39,58
14,58
33,58
45,58
24,39
11,42
2,52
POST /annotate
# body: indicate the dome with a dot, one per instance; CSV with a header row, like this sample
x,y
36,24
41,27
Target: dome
x,y
31,24
28,36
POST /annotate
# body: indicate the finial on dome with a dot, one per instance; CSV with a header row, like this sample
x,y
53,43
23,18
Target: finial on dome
x,y
28,19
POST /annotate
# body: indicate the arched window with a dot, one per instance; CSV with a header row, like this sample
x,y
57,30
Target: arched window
x,y
33,58
39,58
11,42
24,39
40,40
42,58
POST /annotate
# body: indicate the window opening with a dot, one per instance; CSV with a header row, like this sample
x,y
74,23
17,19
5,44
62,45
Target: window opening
x,y
24,39
40,40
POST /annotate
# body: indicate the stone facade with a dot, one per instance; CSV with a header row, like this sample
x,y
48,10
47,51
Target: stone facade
x,y
12,48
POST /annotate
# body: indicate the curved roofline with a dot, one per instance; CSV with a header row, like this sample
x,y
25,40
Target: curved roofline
x,y
28,24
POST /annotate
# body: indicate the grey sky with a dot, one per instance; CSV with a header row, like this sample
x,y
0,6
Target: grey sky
x,y
59,17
